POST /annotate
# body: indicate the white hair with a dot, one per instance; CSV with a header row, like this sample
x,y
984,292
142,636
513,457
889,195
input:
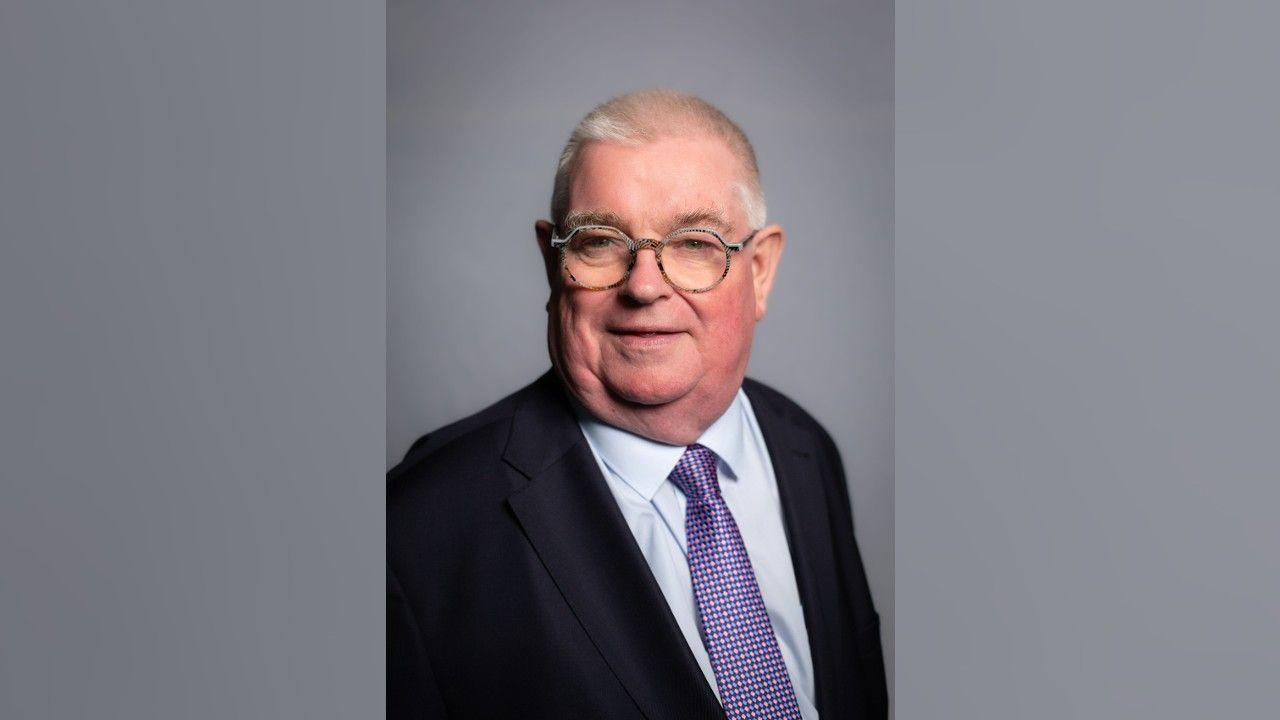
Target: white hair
x,y
646,115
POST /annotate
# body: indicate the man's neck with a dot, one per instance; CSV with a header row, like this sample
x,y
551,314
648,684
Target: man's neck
x,y
679,422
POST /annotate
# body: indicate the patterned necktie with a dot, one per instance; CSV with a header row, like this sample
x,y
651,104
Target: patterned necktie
x,y
735,627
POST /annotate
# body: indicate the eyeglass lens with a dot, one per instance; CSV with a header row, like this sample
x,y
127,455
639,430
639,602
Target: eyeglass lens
x,y
692,260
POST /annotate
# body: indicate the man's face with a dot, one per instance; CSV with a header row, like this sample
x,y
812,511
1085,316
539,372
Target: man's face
x,y
644,342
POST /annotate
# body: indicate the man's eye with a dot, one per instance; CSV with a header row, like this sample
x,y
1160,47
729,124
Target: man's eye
x,y
693,245
596,244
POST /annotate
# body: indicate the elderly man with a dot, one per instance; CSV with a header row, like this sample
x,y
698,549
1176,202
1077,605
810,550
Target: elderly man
x,y
642,532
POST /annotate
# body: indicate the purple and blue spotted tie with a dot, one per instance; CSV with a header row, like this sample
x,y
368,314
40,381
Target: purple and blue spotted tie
x,y
735,627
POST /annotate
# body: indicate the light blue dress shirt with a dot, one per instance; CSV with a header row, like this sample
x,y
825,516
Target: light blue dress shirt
x,y
636,470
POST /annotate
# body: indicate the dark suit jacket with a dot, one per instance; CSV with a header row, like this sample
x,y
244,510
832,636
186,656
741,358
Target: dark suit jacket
x,y
516,590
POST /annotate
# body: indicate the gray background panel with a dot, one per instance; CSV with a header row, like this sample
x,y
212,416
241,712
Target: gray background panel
x,y
1088,367
192,359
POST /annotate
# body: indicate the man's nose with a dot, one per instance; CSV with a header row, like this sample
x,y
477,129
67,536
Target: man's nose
x,y
645,284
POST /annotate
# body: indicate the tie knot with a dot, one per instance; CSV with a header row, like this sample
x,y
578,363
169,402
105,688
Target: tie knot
x,y
695,474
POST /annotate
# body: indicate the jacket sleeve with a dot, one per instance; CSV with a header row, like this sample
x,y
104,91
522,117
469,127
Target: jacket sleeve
x,y
867,632
411,687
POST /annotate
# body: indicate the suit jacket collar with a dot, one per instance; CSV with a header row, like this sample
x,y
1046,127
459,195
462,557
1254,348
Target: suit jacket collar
x,y
805,509
577,530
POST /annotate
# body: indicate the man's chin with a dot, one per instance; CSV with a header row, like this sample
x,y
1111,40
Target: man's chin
x,y
645,389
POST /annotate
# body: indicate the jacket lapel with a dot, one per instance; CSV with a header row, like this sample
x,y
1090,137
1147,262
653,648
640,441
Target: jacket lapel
x,y
577,530
805,512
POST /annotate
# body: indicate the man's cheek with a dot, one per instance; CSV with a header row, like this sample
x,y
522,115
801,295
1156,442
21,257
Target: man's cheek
x,y
583,342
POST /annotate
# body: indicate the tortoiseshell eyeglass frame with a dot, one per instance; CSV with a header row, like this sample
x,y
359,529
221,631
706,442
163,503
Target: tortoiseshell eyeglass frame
x,y
639,244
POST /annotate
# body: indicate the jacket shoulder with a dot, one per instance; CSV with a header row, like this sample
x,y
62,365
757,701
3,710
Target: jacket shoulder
x,y
484,432
765,399
468,428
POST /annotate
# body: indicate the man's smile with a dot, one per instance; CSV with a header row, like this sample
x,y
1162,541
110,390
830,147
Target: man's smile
x,y
641,336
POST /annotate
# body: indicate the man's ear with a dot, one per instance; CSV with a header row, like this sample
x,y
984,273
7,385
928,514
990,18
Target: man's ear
x,y
550,256
766,250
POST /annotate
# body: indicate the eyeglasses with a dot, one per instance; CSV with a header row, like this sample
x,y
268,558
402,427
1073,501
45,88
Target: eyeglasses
x,y
600,257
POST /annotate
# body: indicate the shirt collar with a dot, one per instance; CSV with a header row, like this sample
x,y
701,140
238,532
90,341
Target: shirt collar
x,y
644,464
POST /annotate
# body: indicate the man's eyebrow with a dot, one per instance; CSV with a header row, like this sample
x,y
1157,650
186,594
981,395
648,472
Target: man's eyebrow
x,y
580,218
701,217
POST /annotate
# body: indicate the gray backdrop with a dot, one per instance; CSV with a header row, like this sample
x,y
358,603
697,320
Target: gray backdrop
x,y
1088,360
481,97
192,308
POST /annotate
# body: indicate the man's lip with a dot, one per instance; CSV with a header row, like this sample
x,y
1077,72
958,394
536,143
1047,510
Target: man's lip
x,y
643,331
